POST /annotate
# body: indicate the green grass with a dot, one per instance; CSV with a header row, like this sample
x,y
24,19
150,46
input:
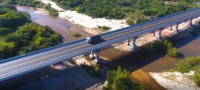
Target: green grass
x,y
76,34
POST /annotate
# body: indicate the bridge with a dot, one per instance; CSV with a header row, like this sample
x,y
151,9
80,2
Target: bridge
x,y
19,65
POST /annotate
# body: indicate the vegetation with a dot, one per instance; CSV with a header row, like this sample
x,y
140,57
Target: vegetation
x,y
101,29
18,35
196,77
76,34
164,47
118,80
132,10
173,52
32,3
93,70
160,46
105,28
52,11
190,64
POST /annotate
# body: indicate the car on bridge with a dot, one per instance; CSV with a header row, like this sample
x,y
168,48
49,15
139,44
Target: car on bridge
x,y
94,39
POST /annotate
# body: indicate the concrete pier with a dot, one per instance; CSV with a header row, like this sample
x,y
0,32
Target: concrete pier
x,y
97,57
159,34
134,46
177,29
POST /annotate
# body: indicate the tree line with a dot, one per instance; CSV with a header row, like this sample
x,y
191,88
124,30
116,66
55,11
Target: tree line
x,y
134,11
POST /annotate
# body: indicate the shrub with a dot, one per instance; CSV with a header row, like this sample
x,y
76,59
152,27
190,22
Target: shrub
x,y
5,31
93,70
173,52
104,28
196,77
159,47
75,34
118,80
188,64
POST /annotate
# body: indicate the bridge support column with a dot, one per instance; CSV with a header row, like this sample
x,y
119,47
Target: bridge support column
x,y
128,42
91,55
159,34
154,33
185,21
135,47
190,22
97,59
171,27
177,30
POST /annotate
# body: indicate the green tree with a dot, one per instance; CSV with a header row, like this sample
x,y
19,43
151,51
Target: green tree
x,y
6,49
118,80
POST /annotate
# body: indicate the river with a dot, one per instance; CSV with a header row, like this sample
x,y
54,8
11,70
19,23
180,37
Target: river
x,y
59,25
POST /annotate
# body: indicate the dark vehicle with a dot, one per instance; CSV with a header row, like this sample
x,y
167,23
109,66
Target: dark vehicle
x,y
94,39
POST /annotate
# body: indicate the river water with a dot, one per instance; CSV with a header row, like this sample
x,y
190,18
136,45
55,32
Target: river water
x,y
61,26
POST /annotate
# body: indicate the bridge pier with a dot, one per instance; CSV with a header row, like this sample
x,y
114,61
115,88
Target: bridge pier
x,y
177,30
134,46
97,59
128,42
159,34
154,33
171,27
185,21
190,22
91,55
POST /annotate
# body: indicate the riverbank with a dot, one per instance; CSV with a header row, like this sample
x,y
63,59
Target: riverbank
x,y
86,21
175,80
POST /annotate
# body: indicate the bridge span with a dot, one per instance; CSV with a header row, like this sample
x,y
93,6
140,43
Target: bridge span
x,y
19,65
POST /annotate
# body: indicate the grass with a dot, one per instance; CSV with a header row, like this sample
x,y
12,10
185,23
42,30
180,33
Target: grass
x,y
173,52
76,34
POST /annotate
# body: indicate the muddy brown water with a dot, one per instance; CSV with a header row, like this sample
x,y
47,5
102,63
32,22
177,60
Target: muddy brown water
x,y
59,25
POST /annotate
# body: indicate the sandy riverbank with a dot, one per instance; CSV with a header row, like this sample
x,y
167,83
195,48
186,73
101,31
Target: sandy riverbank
x,y
175,80
85,20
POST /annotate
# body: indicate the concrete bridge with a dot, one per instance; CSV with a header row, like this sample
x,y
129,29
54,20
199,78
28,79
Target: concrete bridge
x,y
19,65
